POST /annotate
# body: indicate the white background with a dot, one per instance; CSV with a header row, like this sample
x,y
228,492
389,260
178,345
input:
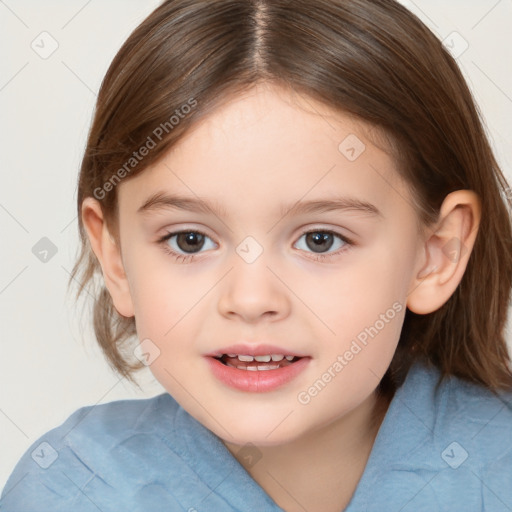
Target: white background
x,y
50,364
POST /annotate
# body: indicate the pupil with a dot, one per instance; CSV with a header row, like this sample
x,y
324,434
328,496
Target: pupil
x,y
189,242
319,239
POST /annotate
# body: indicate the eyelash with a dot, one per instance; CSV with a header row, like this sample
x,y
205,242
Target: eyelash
x,y
186,258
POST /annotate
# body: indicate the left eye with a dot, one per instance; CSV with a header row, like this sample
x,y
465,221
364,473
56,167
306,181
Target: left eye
x,y
318,241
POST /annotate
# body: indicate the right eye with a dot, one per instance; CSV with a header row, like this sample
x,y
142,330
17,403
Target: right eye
x,y
187,241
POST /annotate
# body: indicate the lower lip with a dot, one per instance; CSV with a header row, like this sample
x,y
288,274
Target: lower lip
x,y
258,381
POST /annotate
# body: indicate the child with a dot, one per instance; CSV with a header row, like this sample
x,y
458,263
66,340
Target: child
x,y
372,376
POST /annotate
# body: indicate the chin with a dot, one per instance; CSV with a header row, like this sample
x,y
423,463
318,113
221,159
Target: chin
x,y
267,433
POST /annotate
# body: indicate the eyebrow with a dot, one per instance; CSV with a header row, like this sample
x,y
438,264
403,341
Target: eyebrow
x,y
163,201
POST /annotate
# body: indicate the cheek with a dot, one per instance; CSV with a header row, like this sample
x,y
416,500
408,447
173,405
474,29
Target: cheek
x,y
378,308
169,301
354,295
159,295
363,306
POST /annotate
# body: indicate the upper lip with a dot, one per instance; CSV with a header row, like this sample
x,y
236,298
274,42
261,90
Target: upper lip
x,y
254,350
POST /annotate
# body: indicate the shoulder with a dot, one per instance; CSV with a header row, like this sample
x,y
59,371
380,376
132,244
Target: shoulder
x,y
452,442
473,432
454,407
95,448
474,417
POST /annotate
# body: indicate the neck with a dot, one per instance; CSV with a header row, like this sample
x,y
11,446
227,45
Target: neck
x,y
319,470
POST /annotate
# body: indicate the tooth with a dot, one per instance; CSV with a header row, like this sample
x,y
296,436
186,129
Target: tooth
x,y
289,358
263,359
247,359
231,355
277,357
242,367
252,368
268,367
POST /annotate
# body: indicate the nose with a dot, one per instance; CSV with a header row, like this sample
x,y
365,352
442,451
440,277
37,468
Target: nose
x,y
253,292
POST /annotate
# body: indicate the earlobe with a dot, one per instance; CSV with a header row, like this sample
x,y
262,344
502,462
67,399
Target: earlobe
x,y
445,254
109,256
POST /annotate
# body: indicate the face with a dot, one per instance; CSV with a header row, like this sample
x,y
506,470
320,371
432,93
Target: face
x,y
267,270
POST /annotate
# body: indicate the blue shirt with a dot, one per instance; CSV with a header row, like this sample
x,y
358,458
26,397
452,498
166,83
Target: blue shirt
x,y
449,450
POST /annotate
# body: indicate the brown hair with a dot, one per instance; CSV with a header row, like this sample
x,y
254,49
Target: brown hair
x,y
372,59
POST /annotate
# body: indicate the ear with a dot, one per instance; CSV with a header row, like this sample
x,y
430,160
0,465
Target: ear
x,y
445,254
109,256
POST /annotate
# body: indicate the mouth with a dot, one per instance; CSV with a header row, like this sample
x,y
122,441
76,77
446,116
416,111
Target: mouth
x,y
258,368
257,363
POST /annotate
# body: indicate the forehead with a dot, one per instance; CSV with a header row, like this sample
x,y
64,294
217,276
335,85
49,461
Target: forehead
x,y
270,147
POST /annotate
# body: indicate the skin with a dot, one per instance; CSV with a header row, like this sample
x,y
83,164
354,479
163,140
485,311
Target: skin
x,y
262,150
